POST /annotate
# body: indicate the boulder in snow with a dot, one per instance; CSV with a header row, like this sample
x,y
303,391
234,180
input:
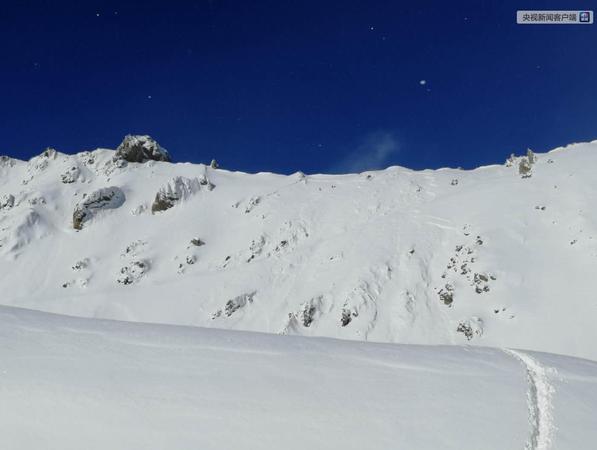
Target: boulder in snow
x,y
105,198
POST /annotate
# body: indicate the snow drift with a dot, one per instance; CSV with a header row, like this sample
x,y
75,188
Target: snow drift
x,y
67,383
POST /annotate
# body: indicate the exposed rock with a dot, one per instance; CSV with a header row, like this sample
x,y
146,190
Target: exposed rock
x,y
479,277
173,192
471,327
80,265
7,201
87,158
309,311
525,163
119,164
283,244
511,160
481,282
204,181
524,168
236,303
105,198
197,242
40,162
253,202
49,153
347,316
71,175
308,314
447,295
133,272
7,161
214,164
37,200
256,247
134,248
464,269
141,149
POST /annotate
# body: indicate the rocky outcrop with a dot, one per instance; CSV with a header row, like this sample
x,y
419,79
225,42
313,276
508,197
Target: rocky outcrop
x,y
105,198
235,304
133,272
41,162
141,149
7,201
71,175
6,161
524,163
471,328
176,190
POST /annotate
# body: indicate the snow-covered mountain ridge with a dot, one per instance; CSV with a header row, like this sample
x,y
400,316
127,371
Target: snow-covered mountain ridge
x,y
499,256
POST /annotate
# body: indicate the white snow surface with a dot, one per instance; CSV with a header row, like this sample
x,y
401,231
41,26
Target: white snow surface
x,y
71,383
484,257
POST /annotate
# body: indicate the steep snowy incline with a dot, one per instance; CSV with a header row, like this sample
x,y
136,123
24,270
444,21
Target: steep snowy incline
x,y
67,383
497,256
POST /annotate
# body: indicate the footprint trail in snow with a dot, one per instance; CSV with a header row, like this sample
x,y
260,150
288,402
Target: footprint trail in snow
x,y
539,396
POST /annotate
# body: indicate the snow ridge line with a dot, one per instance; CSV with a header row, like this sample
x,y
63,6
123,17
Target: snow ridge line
x,y
539,396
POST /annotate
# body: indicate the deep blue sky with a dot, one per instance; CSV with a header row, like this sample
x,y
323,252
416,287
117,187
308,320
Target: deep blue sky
x,y
296,85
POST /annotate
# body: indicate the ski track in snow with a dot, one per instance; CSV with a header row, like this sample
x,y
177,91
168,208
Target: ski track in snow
x,y
539,397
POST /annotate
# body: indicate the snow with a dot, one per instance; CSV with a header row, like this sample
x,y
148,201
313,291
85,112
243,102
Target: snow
x,y
539,398
370,252
68,382
493,259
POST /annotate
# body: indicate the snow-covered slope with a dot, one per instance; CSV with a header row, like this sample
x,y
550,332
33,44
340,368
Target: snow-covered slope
x,y
498,256
69,383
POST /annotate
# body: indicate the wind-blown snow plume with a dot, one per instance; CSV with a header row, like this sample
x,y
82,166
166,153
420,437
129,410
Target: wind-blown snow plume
x,y
374,153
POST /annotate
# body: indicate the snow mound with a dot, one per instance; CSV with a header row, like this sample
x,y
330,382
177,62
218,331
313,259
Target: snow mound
x,y
28,226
